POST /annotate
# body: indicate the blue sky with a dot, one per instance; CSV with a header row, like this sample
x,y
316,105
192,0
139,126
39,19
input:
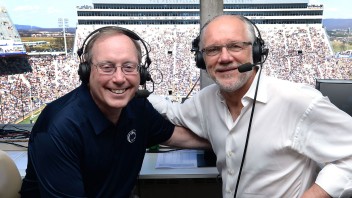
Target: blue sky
x,y
45,13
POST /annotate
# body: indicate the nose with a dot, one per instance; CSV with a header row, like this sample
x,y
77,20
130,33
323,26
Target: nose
x,y
225,56
119,76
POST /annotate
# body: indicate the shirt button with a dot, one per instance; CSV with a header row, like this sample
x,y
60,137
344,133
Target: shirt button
x,y
228,191
231,172
229,154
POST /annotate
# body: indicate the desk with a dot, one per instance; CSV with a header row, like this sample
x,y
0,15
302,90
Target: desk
x,y
176,183
148,170
155,183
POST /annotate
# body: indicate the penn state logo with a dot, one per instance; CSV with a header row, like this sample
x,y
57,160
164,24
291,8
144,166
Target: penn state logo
x,y
131,136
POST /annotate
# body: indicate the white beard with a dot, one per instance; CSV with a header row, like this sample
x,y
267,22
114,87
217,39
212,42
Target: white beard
x,y
243,78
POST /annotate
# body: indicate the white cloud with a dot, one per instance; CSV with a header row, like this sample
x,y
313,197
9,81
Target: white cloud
x,y
53,10
315,2
26,8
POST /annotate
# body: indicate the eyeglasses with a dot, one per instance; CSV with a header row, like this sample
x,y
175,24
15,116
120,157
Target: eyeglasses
x,y
231,47
110,68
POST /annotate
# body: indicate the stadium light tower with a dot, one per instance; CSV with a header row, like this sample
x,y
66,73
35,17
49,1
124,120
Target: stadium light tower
x,y
63,22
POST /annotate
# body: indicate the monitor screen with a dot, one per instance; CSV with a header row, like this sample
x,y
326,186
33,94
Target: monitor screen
x,y
338,91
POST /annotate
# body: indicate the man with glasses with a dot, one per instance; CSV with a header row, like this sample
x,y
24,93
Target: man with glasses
x,y
91,142
234,46
268,134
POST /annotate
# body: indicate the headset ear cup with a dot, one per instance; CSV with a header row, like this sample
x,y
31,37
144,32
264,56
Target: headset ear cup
x,y
84,72
257,51
199,60
144,75
198,56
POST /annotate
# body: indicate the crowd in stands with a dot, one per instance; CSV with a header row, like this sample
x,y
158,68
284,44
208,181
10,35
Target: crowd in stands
x,y
21,94
297,53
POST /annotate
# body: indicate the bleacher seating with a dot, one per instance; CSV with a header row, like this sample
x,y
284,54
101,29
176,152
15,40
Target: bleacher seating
x,y
299,53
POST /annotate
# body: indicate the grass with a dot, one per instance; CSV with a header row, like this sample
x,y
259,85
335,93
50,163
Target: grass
x,y
31,117
28,119
54,43
339,46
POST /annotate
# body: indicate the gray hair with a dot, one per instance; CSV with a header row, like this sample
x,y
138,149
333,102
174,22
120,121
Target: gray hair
x,y
249,24
88,54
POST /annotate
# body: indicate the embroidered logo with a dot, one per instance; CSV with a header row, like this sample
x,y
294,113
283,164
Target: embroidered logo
x,y
131,136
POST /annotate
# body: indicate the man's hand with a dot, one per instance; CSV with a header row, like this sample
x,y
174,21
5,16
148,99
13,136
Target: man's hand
x,y
315,191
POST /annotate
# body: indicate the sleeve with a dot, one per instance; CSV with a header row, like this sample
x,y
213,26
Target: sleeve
x,y
160,103
328,141
56,162
188,114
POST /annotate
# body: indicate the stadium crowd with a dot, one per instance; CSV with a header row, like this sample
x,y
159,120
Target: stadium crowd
x,y
51,77
297,53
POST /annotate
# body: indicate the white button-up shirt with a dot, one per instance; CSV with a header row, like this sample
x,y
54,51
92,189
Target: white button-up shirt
x,y
293,129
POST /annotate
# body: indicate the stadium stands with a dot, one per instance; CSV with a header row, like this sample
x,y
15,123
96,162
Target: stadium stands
x,y
298,52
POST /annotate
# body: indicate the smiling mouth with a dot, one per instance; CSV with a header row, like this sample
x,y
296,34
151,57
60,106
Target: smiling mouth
x,y
226,69
118,91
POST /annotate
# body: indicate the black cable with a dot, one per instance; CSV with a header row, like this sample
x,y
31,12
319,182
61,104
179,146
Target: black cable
x,y
189,93
248,132
16,133
161,74
13,143
14,126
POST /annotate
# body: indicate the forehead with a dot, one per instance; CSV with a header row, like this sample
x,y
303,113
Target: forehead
x,y
223,29
115,47
108,38
114,43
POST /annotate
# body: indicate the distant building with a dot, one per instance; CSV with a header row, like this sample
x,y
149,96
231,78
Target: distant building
x,y
36,43
344,54
129,12
12,51
10,41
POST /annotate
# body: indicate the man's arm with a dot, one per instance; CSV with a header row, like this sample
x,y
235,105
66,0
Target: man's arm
x,y
184,138
315,191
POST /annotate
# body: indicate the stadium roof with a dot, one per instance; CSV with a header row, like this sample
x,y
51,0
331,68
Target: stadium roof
x,y
197,1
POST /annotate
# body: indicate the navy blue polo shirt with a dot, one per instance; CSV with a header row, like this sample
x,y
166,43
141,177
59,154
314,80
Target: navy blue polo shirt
x,y
74,151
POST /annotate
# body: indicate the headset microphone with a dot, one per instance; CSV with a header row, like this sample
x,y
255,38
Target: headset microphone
x,y
245,67
143,93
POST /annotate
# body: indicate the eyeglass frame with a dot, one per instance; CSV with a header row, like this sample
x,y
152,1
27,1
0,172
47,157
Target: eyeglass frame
x,y
240,44
114,68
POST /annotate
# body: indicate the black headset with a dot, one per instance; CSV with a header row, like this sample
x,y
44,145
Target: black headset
x,y
258,48
84,67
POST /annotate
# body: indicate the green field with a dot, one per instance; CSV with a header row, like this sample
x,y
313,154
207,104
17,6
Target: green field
x,y
54,43
28,120
32,117
339,46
